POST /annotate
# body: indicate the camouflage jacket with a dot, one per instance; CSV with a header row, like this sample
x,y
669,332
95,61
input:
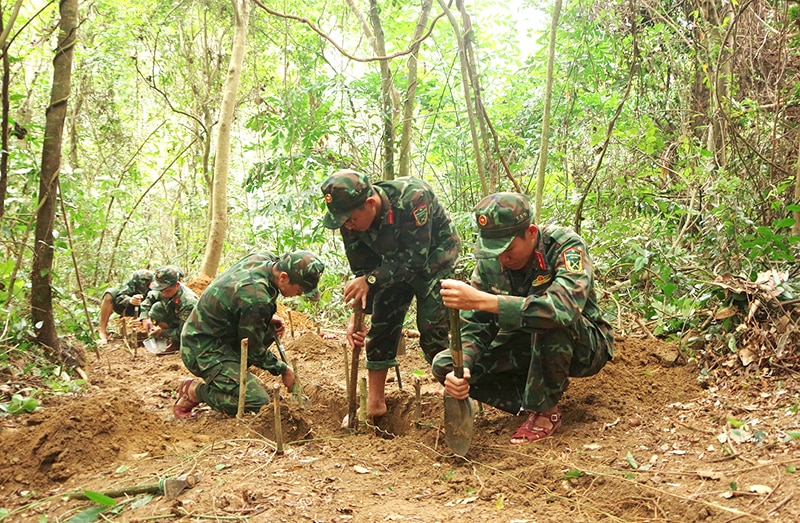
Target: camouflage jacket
x,y
238,304
558,287
413,240
138,284
177,309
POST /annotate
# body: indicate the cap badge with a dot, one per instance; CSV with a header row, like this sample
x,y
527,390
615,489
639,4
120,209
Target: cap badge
x,y
328,198
482,220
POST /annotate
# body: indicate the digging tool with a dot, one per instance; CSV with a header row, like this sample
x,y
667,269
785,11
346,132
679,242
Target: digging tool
x,y
358,326
401,350
458,415
297,390
169,487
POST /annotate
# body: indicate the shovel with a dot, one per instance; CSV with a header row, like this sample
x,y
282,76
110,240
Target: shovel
x,y
458,416
297,390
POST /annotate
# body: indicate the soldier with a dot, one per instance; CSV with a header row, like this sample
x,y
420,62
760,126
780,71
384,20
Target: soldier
x,y
241,303
124,300
400,243
530,318
167,306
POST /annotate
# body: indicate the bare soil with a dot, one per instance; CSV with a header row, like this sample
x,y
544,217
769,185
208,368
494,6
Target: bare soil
x,y
644,440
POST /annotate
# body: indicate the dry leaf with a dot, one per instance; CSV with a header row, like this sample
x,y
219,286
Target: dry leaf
x,y
361,470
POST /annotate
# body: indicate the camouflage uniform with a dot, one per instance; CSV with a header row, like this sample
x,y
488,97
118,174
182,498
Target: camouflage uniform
x,y
121,296
239,304
549,325
404,254
172,311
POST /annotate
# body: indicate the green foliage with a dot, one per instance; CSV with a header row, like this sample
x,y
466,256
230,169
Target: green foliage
x,y
20,404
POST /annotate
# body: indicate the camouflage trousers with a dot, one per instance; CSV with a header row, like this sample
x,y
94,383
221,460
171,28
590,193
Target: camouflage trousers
x,y
523,371
129,311
161,316
388,308
220,389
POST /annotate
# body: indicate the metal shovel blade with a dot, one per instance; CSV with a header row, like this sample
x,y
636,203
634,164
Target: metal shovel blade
x,y
458,415
458,419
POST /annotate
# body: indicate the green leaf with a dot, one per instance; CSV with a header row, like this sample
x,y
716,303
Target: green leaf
x,y
631,460
791,469
87,516
573,474
100,499
3,514
735,422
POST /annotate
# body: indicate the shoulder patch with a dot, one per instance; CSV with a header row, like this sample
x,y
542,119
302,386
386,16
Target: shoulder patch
x,y
421,215
573,259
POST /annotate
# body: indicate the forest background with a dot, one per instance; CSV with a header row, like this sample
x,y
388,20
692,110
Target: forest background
x,y
136,134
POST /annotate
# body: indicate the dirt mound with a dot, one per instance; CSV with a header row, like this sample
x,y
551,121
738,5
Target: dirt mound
x,y
641,441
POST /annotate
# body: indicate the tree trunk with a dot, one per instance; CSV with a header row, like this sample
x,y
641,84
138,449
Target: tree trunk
x,y
548,96
474,79
411,91
41,277
462,54
387,137
219,193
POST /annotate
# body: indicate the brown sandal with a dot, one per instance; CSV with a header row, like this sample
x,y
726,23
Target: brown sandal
x,y
529,431
184,404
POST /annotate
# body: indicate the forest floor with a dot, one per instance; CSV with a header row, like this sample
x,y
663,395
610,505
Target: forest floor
x,y
644,440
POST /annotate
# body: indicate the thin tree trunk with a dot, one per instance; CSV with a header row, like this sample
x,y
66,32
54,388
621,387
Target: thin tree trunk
x,y
476,148
219,194
796,214
41,274
548,96
387,137
411,91
474,80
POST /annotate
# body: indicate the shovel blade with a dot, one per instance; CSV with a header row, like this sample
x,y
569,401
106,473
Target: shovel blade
x,y
458,420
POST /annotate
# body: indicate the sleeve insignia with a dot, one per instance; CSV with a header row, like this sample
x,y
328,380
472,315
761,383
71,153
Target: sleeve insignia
x,y
573,259
421,215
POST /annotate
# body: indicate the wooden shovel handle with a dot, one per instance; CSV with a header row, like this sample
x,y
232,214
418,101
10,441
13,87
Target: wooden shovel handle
x,y
358,326
455,343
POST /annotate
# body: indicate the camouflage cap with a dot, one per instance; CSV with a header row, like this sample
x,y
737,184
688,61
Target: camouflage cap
x,y
166,276
304,269
143,275
344,191
500,216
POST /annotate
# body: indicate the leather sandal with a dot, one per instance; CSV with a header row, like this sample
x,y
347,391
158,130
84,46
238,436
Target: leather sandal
x,y
529,431
184,404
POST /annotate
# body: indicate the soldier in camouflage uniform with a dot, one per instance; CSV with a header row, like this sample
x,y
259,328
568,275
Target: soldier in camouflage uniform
x,y
400,243
241,303
124,300
167,306
530,317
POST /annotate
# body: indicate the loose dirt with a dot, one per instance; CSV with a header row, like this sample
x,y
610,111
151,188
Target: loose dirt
x,y
647,439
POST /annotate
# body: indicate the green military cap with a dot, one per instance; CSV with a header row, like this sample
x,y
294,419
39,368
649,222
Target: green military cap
x,y
344,192
143,275
166,276
304,269
500,216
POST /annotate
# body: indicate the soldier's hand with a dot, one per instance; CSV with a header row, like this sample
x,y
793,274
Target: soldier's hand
x,y
459,295
458,388
156,331
279,324
357,290
355,338
288,378
147,325
136,300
